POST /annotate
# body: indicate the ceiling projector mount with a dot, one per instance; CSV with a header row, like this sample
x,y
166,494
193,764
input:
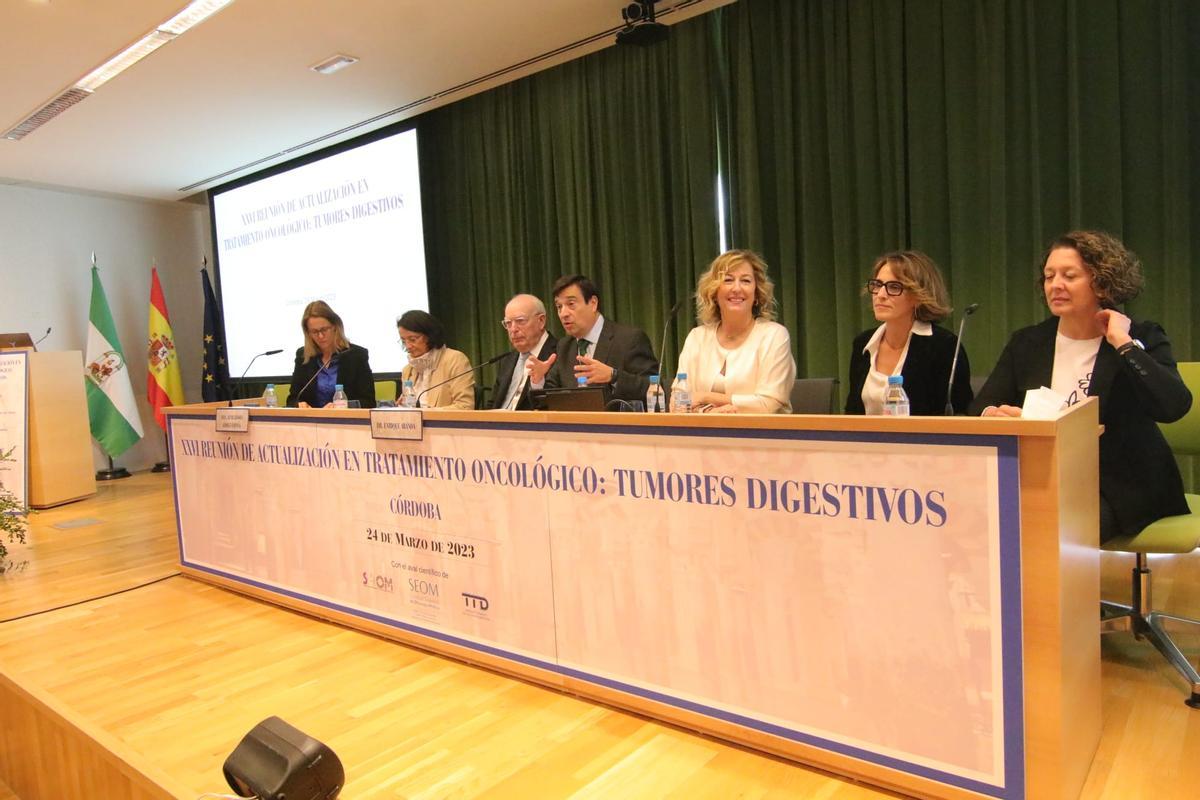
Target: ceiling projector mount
x,y
640,26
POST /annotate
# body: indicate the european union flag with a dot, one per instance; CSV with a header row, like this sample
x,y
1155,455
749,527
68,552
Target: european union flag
x,y
215,380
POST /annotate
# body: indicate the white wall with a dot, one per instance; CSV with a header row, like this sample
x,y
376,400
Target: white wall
x,y
46,243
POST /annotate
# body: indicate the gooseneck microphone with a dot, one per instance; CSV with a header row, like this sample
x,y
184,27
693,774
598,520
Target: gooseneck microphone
x,y
968,311
489,362
662,350
43,337
320,369
248,366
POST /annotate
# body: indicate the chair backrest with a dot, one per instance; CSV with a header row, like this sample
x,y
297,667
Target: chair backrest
x,y
814,396
385,390
977,382
282,392
1184,435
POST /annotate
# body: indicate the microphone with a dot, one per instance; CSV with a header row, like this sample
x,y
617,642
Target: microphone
x,y
489,362
662,351
968,311
44,335
248,366
320,369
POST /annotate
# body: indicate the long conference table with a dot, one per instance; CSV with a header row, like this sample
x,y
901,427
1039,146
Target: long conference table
x,y
910,602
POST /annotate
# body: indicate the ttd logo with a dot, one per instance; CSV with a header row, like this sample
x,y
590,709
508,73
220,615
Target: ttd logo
x,y
475,602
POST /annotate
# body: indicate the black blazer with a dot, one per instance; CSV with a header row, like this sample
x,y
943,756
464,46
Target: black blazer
x,y
504,373
1138,474
354,374
623,347
926,373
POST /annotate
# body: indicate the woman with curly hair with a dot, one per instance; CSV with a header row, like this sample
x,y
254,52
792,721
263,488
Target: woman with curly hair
x,y
1090,349
738,360
908,296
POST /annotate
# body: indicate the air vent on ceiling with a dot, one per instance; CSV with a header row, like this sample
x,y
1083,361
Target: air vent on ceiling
x,y
46,113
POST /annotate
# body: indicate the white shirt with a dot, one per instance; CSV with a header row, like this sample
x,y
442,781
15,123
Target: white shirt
x,y
1073,363
875,386
593,336
759,373
519,376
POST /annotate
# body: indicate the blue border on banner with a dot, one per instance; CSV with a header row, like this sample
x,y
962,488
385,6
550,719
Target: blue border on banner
x,y
1012,658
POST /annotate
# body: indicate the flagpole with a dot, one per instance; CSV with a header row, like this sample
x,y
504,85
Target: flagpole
x,y
113,473
164,466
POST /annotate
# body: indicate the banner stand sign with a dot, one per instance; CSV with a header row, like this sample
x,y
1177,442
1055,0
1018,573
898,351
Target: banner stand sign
x,y
14,424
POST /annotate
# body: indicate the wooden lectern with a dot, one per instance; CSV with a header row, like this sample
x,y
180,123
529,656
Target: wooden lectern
x,y
60,455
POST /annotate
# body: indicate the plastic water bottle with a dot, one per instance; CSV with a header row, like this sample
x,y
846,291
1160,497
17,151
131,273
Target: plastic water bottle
x,y
655,403
339,398
408,397
681,396
269,398
895,401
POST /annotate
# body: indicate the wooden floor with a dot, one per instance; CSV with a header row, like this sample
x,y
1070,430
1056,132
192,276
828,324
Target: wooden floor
x,y
176,671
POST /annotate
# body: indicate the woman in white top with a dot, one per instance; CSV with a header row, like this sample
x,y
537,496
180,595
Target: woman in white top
x,y
1089,348
738,360
908,297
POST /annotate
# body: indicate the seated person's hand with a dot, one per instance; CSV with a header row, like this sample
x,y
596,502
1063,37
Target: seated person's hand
x,y
1001,411
596,372
727,408
303,404
537,369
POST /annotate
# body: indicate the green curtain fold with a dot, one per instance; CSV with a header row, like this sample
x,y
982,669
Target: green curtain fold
x,y
839,129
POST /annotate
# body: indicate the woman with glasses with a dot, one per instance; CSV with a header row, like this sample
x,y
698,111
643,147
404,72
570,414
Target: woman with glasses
x,y
432,366
738,360
907,295
1088,348
327,359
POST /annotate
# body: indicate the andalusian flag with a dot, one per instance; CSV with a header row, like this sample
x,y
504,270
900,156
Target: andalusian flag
x,y
164,385
112,410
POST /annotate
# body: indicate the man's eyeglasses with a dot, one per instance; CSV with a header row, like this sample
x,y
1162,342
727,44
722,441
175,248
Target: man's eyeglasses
x,y
515,322
894,288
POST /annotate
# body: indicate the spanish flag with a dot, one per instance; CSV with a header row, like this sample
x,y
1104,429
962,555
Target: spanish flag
x,y
164,386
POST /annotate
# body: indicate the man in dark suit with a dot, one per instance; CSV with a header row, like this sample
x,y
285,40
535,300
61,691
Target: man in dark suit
x,y
525,322
600,350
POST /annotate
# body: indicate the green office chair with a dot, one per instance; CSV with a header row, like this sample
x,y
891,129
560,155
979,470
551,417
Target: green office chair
x,y
1180,534
385,390
282,392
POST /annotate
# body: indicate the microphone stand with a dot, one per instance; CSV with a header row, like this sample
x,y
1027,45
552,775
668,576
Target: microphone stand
x,y
247,369
962,325
662,350
487,363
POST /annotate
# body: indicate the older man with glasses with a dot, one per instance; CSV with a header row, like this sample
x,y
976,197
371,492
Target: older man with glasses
x,y
525,322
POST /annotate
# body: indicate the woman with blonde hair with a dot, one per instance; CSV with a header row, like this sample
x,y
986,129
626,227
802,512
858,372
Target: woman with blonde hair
x,y
908,296
738,360
328,359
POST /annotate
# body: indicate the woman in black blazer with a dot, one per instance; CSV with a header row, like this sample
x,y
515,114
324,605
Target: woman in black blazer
x,y
328,359
1090,349
907,295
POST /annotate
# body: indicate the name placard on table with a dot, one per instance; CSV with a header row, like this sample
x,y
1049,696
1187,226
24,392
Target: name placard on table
x,y
406,424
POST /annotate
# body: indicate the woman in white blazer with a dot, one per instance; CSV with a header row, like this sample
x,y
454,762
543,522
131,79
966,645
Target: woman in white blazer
x,y
738,360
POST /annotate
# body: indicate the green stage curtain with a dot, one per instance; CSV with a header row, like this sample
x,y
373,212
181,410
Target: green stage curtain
x,y
604,166
974,130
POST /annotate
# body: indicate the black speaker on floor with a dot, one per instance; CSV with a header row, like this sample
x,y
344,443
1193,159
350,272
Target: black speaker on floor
x,y
274,761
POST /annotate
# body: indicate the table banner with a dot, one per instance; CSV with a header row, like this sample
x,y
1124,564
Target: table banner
x,y
858,592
